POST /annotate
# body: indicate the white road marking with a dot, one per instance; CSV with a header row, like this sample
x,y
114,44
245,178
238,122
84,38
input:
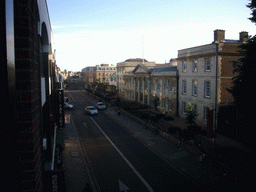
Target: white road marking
x,y
126,160
122,186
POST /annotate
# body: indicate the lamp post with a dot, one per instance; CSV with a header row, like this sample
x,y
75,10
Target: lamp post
x,y
216,97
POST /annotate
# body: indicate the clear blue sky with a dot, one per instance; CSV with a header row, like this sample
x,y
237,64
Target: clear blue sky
x,y
91,32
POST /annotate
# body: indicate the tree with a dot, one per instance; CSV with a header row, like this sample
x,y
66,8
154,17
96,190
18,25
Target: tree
x,y
244,84
191,114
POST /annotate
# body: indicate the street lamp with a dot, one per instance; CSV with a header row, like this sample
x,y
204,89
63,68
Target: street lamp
x,y
216,96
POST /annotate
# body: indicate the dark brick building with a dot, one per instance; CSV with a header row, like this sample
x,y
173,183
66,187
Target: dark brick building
x,y
27,83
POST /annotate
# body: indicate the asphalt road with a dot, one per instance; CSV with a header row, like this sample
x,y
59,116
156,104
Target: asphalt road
x,y
119,161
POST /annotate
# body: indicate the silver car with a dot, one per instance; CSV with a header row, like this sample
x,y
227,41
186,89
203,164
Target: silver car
x,y
91,110
101,105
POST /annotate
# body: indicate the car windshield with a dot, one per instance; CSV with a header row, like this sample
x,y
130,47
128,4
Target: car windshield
x,y
91,108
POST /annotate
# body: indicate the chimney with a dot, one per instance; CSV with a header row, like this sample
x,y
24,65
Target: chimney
x,y
243,36
219,35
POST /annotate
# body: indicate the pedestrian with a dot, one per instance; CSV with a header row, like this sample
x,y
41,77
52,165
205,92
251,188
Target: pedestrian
x,y
88,188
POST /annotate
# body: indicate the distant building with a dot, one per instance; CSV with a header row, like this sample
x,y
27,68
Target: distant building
x,y
112,80
127,66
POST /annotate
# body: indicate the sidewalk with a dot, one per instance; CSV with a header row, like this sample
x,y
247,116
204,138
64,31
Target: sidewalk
x,y
76,170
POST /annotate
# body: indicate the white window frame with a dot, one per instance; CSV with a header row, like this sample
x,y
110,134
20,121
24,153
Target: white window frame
x,y
184,66
163,84
184,87
184,107
195,66
207,64
194,87
207,89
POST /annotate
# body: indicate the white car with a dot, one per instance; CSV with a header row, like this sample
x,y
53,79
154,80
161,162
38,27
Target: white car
x,y
68,106
101,105
91,110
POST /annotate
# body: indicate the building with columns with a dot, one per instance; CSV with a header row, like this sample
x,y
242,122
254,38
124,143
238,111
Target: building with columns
x,y
123,68
144,84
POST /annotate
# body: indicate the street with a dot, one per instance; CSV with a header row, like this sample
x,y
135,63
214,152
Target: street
x,y
118,160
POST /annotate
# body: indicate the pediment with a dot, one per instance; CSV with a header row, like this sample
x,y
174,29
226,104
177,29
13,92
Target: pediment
x,y
140,68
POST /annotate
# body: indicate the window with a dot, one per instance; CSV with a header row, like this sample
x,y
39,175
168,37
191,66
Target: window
x,y
163,85
106,79
170,105
194,88
207,89
184,87
158,85
184,66
207,64
206,113
99,80
184,107
99,74
106,74
194,65
153,85
195,108
163,104
170,85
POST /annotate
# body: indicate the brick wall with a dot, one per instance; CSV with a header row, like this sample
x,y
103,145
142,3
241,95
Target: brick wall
x,y
28,94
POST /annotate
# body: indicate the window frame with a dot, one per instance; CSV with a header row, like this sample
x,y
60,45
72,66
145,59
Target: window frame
x,y
207,89
170,105
184,66
184,87
184,107
170,85
207,64
195,65
194,87
164,85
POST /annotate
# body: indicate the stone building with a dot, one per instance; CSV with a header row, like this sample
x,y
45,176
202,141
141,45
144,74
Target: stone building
x,y
144,84
197,74
103,72
126,67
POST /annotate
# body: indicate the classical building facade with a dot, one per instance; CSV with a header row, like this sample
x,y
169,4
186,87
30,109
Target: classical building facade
x,y
126,67
145,84
197,74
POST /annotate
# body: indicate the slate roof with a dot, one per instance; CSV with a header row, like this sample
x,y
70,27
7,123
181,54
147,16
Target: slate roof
x,y
136,60
113,75
159,69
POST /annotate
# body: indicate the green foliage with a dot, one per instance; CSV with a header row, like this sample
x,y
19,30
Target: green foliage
x,y
191,114
252,6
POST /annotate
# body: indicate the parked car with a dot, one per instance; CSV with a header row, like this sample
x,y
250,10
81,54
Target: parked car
x,y
101,105
68,106
91,110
